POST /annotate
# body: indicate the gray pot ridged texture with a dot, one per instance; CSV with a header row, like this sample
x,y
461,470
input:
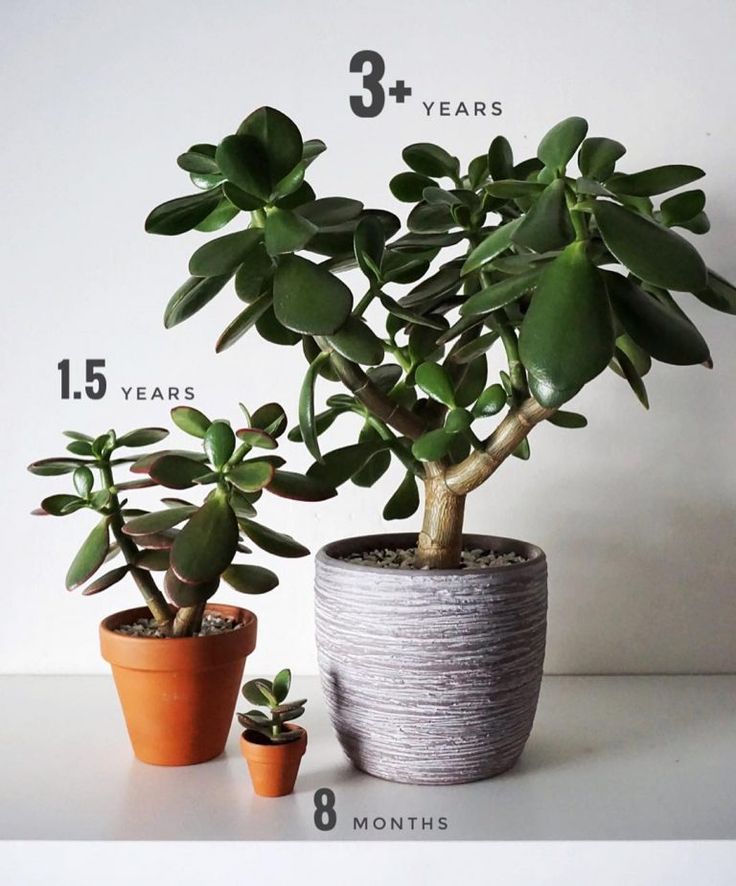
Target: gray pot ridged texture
x,y
431,676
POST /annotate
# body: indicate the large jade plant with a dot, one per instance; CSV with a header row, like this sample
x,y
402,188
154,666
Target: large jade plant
x,y
194,546
569,271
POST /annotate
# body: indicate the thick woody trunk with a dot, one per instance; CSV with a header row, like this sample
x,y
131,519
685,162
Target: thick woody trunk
x,y
441,539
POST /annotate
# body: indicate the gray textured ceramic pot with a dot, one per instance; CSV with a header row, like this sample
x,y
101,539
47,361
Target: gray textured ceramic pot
x,y
431,676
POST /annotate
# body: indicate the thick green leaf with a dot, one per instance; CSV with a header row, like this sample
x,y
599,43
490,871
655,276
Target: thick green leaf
x,y
523,450
184,593
223,255
405,501
508,189
338,466
475,348
306,407
279,139
558,146
143,437
322,422
300,487
655,181
244,321
357,341
191,297
90,556
158,521
426,218
409,186
497,295
431,160
250,579
290,184
219,217
718,294
281,685
471,379
106,581
369,243
403,313
597,157
308,299
700,224
61,504
199,159
253,692
83,481
183,213
432,446
287,232
270,418
661,332
206,545
250,476
255,437
240,198
682,207
153,561
628,370
652,252
277,543
143,464
330,212
567,419
500,159
219,443
176,471
81,447
253,277
434,380
313,147
639,357
490,402
567,336
190,420
244,163
494,244
547,225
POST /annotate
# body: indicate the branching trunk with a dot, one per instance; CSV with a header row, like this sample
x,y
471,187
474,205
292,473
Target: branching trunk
x,y
188,620
441,540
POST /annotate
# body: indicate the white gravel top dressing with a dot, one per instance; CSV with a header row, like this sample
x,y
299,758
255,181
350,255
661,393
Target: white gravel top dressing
x,y
405,558
212,623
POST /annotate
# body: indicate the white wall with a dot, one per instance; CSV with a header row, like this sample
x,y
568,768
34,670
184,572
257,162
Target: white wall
x,y
636,513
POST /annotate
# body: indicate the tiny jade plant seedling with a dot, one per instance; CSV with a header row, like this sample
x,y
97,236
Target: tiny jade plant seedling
x,y
568,271
194,546
272,694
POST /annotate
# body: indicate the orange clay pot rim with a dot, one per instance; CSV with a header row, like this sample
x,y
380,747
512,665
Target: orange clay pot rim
x,y
247,619
281,744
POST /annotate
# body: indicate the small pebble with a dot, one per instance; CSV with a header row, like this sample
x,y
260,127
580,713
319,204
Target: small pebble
x,y
405,558
212,623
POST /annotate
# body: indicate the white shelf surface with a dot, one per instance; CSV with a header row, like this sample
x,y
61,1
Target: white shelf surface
x,y
610,758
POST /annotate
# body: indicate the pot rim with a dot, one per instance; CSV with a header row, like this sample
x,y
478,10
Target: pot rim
x,y
327,554
291,727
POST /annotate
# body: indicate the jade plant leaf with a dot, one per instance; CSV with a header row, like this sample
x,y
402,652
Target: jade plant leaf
x,y
223,255
559,145
660,331
682,207
281,685
250,476
308,299
154,561
244,321
430,160
547,225
183,593
90,556
500,159
338,466
300,487
219,443
306,407
330,212
718,294
432,446
500,294
191,297
143,437
564,419
190,420
652,252
405,500
409,186
567,336
61,504
158,521
434,380
206,545
250,579
357,341
277,543
106,581
655,181
270,418
176,471
52,467
287,232
630,373
244,163
597,157
494,244
278,138
254,693
490,402
255,437
183,213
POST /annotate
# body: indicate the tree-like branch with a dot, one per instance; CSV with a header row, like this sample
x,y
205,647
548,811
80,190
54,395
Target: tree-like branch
x,y
480,464
372,397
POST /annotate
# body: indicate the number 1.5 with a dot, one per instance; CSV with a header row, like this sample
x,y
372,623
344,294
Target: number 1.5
x,y
96,382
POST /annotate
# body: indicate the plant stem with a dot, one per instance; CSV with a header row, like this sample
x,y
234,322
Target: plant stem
x,y
441,540
188,620
155,600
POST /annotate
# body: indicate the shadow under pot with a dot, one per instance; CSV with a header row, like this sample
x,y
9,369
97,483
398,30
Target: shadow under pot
x,y
273,767
178,694
431,676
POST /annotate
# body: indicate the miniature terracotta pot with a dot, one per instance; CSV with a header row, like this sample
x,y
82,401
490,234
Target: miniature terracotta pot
x,y
178,694
273,767
431,676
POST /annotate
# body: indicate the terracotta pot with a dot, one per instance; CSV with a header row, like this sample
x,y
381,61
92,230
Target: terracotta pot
x,y
431,676
178,694
273,767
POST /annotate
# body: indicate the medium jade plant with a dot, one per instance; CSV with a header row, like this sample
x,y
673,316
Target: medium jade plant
x,y
194,546
569,271
271,694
